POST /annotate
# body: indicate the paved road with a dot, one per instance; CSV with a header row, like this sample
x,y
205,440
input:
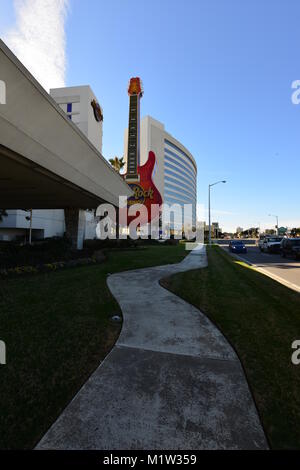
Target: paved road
x,y
286,269
171,382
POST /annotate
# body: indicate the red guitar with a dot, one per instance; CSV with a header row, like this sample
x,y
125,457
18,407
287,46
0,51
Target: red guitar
x,y
139,178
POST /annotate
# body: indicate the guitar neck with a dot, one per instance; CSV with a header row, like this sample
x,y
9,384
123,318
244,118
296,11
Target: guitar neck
x,y
133,151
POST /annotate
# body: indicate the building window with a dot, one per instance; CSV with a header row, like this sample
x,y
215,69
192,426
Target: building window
x,y
172,201
180,177
178,158
172,160
190,188
182,174
180,152
178,188
182,199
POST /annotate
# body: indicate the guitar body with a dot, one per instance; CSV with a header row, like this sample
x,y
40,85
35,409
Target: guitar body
x,y
145,191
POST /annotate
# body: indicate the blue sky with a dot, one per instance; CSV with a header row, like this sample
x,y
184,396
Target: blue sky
x,y
217,73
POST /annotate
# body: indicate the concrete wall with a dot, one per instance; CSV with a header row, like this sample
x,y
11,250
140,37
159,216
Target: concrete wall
x,y
40,145
33,125
75,226
90,225
51,222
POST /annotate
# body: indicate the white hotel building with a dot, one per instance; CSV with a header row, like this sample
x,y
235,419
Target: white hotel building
x,y
175,175
76,103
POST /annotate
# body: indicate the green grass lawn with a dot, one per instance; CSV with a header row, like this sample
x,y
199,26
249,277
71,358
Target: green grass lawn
x,y
57,329
261,319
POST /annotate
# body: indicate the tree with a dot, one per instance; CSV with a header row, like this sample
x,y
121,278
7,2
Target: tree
x,y
251,232
117,163
295,232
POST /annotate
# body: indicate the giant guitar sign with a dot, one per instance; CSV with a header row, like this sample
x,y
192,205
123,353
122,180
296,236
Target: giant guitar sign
x,y
139,177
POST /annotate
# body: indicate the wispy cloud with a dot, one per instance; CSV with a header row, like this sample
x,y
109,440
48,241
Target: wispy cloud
x,y
38,39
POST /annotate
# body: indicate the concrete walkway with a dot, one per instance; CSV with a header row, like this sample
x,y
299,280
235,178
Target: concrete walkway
x,y
171,382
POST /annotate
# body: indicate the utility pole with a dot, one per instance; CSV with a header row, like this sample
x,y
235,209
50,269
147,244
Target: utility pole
x,y
30,227
209,222
277,226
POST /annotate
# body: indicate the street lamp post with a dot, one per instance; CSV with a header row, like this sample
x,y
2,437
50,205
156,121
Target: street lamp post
x,y
276,216
209,223
30,224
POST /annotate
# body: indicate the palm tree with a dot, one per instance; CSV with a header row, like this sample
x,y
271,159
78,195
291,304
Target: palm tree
x,y
117,163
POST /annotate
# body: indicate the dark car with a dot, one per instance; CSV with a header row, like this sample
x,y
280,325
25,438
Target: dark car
x,y
237,246
290,247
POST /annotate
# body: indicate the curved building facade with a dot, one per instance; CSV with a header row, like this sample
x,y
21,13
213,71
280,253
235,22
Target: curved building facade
x,y
180,176
175,175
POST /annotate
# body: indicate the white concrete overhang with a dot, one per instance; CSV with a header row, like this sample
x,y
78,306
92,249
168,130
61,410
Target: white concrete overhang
x,y
45,160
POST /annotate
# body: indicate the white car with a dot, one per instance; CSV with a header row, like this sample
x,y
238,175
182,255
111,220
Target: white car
x,y
261,241
271,244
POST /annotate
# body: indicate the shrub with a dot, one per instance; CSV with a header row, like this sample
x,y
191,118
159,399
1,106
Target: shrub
x,y
45,251
48,267
97,244
172,241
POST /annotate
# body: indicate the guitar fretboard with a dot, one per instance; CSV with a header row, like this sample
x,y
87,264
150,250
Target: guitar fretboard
x,y
133,137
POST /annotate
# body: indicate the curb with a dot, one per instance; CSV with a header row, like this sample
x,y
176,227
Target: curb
x,y
279,279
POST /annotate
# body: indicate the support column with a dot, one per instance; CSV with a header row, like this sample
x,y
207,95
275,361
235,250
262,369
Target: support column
x,y
117,222
75,226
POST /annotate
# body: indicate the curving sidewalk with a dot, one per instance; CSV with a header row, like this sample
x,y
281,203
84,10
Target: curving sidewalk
x,y
172,381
